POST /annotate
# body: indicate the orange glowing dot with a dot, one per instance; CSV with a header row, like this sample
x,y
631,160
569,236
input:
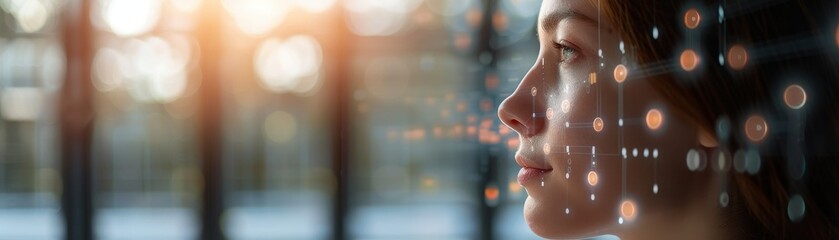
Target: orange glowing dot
x,y
620,73
500,21
654,119
549,113
597,124
533,91
546,148
692,18
795,97
628,211
737,57
429,182
592,78
756,128
566,106
491,193
473,17
689,60
514,187
592,178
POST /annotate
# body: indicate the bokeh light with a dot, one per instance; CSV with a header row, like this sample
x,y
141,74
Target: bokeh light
x,y
592,178
597,124
794,96
256,17
316,6
378,18
628,210
654,119
620,73
130,17
293,65
737,57
688,60
692,18
756,128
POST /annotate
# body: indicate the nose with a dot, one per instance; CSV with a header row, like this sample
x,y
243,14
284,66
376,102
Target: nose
x,y
524,110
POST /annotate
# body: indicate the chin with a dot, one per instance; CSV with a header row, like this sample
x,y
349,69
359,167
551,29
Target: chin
x,y
549,221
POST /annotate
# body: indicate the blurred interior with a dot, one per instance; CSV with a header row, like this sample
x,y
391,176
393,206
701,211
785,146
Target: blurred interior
x,y
260,119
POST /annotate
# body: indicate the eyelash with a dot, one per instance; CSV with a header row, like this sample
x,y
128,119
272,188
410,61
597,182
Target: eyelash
x,y
565,49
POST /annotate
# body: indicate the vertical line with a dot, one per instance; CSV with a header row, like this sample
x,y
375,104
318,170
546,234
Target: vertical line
x,y
76,115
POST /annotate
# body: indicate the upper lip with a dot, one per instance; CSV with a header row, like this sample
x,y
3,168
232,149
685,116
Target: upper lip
x,y
528,163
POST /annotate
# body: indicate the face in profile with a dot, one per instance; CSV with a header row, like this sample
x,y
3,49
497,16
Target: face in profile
x,y
601,152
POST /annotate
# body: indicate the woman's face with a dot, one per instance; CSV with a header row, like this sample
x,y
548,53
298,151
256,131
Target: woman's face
x,y
574,120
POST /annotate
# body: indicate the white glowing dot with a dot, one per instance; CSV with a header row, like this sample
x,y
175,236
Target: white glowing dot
x,y
566,106
533,91
796,208
655,188
567,175
592,196
721,59
655,32
568,149
646,152
620,45
724,199
620,220
546,148
655,153
623,152
567,211
693,160
130,17
567,124
634,152
592,150
620,122
721,14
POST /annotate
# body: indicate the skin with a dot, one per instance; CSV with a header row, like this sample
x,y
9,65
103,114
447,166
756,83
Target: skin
x,y
686,205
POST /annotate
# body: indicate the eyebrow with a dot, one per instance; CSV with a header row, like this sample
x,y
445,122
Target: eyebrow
x,y
550,22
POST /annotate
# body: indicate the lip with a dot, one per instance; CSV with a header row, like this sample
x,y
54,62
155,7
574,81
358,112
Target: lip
x,y
531,170
528,175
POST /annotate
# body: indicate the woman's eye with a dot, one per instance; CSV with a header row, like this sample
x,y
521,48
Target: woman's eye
x,y
566,53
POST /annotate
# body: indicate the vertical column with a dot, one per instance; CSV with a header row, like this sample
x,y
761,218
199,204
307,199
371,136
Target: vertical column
x,y
76,116
338,78
488,156
210,117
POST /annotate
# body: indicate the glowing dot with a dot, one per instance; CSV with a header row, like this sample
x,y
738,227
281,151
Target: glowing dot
x,y
549,114
655,32
721,14
721,59
592,78
592,178
620,220
533,91
646,152
692,18
655,188
566,106
597,124
491,193
567,175
547,148
592,153
737,57
623,152
795,97
514,186
724,199
756,128
796,208
654,119
592,196
620,122
621,47
620,73
694,160
723,161
567,211
752,161
568,149
655,153
689,60
634,152
628,210
567,124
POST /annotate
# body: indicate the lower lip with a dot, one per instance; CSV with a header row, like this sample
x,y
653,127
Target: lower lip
x,y
527,175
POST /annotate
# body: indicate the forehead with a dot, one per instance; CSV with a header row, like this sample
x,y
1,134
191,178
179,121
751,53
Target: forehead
x,y
585,7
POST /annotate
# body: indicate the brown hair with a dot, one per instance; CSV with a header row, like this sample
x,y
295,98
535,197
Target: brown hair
x,y
786,45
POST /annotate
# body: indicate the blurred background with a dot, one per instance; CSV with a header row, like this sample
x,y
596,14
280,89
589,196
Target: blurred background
x,y
260,119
